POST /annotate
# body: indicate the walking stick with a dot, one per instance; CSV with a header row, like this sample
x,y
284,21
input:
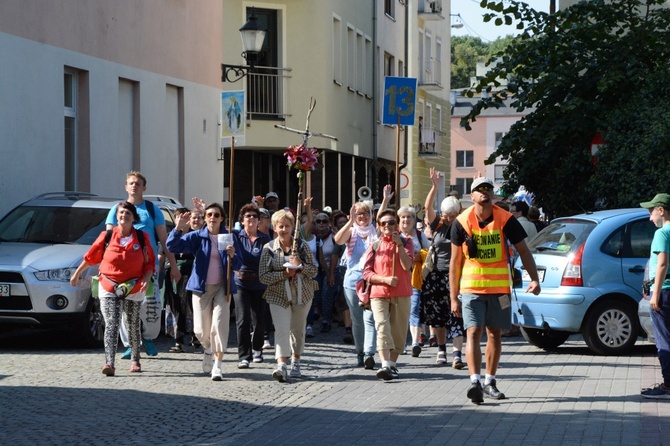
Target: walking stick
x,y
230,209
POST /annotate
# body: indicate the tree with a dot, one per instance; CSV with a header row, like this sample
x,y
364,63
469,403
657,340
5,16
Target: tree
x,y
598,66
466,51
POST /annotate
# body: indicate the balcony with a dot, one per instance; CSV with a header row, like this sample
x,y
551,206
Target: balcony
x,y
430,77
430,142
268,93
430,10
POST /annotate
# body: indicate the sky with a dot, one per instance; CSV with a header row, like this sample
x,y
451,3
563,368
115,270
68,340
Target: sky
x,y
473,22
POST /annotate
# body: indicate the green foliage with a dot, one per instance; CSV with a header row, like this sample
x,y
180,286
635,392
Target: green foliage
x,y
596,66
466,51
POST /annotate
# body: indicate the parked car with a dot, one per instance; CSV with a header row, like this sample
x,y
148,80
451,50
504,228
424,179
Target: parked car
x,y
590,267
644,310
42,241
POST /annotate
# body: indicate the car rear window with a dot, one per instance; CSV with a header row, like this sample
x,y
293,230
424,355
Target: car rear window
x,y
39,224
561,237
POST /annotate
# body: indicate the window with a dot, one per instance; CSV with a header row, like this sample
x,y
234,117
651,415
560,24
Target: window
x,y
465,158
70,128
360,63
389,8
498,138
351,58
337,50
499,173
368,67
388,65
463,186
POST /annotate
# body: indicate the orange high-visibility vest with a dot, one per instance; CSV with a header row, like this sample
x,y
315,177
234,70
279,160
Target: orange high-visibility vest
x,y
488,272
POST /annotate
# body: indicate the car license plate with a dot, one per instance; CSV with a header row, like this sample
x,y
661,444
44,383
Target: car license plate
x,y
4,289
526,277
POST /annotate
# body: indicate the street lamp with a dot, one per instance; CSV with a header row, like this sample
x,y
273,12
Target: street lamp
x,y
253,38
458,23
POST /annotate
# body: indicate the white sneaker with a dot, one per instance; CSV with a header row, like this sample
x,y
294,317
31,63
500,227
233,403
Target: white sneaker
x,y
216,374
309,332
258,356
207,362
244,364
267,345
280,373
295,370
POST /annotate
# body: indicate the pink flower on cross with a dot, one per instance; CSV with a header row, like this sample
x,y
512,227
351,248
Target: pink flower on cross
x,y
301,157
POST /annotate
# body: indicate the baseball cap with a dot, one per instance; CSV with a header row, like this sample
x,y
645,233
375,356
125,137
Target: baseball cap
x,y
659,200
264,211
479,182
271,195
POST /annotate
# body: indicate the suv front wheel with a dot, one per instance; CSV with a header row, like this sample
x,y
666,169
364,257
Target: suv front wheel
x,y
91,331
611,328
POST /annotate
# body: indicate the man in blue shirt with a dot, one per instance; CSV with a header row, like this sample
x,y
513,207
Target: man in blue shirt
x,y
659,214
154,226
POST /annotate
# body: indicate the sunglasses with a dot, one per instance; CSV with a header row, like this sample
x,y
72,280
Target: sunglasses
x,y
484,189
387,223
250,216
213,214
321,222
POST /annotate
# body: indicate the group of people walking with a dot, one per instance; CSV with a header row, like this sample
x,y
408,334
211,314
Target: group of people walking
x,y
466,291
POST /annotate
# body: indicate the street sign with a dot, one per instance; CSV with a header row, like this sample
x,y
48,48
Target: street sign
x,y
399,100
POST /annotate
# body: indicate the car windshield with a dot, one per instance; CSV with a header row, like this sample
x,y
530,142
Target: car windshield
x,y
561,237
40,224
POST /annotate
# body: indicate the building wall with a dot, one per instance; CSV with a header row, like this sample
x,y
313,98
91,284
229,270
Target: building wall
x,y
172,133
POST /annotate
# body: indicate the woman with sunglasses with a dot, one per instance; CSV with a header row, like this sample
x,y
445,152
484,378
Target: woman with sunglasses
x,y
122,260
208,282
290,290
358,234
388,265
435,291
249,303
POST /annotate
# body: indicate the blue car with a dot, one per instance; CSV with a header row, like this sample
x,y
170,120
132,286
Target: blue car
x,y
590,267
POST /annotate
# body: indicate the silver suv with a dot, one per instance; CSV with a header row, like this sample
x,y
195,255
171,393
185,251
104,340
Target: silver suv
x,y
42,241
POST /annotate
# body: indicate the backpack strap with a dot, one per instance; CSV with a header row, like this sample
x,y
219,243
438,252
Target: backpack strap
x,y
151,209
108,238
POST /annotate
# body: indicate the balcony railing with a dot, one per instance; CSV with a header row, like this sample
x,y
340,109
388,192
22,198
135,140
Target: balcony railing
x,y
430,77
268,93
430,142
433,7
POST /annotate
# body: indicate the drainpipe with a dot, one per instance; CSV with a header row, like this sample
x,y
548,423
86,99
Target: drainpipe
x,y
406,136
375,117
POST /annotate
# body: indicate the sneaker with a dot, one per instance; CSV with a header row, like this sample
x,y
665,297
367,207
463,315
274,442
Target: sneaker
x,y
394,372
217,375
280,373
422,340
369,362
441,358
416,350
150,347
659,392
127,353
475,393
492,391
458,364
135,367
108,370
196,344
258,356
207,362
177,348
295,370
243,364
266,344
386,374
361,360
325,327
348,338
309,332
432,342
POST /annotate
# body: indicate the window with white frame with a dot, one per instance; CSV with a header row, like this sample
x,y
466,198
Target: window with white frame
x,y
360,62
337,50
70,87
499,173
388,64
389,8
351,58
368,66
498,138
465,158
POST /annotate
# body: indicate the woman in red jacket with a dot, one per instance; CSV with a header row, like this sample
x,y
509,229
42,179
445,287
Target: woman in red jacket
x,y
126,268
387,268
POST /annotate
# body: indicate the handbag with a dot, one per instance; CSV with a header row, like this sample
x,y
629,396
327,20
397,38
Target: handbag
x,y
246,275
429,263
363,292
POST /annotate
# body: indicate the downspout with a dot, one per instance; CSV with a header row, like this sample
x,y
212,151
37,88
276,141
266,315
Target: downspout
x,y
406,136
375,117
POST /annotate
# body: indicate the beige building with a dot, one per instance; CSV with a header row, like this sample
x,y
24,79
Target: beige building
x,y
92,89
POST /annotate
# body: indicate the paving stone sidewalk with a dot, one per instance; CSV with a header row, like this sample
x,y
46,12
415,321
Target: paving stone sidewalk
x,y
52,394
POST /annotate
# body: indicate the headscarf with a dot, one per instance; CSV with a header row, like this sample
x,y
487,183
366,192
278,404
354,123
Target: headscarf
x,y
368,231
